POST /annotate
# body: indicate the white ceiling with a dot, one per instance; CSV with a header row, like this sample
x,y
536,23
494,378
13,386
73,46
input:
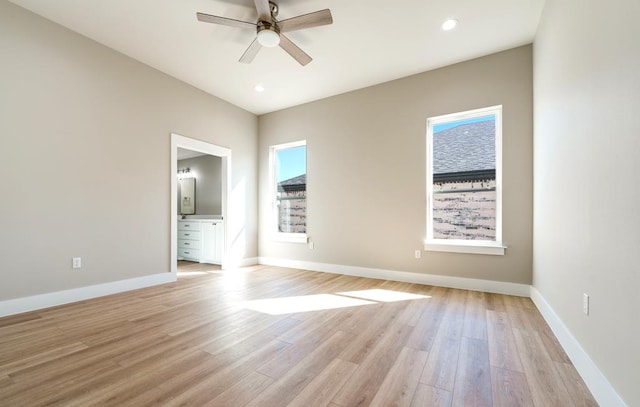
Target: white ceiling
x,y
369,42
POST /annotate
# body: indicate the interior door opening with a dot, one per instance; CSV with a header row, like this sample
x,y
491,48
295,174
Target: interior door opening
x,y
200,174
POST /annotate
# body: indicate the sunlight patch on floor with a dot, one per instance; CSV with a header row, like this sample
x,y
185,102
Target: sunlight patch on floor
x,y
381,295
191,273
304,303
317,302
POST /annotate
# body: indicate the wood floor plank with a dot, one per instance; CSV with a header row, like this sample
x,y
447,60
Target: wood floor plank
x,y
51,390
367,339
578,391
197,338
39,358
475,320
325,386
27,329
116,386
318,321
427,325
516,312
399,386
287,387
509,388
19,319
495,302
442,363
242,392
200,384
502,347
5,381
413,312
20,348
194,342
362,387
285,361
359,319
545,383
430,396
551,344
473,378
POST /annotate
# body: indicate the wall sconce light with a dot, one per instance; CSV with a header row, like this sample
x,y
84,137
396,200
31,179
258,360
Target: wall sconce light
x,y
185,173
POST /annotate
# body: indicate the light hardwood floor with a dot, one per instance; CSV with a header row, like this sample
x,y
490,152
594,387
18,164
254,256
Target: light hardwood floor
x,y
263,336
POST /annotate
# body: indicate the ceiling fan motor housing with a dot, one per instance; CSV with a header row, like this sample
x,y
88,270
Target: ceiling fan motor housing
x,y
268,34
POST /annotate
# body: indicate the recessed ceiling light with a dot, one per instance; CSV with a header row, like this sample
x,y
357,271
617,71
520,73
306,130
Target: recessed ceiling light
x,y
259,88
450,24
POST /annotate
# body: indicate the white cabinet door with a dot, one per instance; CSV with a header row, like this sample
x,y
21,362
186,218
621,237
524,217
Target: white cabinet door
x,y
212,242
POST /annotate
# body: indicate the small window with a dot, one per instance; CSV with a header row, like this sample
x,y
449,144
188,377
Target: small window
x,y
289,191
464,186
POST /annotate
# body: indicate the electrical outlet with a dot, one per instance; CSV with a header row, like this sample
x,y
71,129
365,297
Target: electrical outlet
x,y
418,254
77,262
585,303
312,246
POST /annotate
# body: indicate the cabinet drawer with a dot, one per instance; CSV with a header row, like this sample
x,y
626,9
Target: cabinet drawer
x,y
189,254
188,235
189,244
186,225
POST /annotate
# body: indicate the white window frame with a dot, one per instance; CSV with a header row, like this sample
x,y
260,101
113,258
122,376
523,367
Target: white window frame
x,y
459,245
273,173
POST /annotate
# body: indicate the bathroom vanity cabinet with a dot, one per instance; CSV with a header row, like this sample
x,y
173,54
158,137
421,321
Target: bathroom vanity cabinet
x,y
201,240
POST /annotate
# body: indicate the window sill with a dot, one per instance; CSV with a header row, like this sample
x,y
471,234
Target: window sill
x,y
290,237
458,246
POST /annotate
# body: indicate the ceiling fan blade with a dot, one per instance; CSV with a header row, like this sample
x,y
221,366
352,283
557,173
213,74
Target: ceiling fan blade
x,y
293,50
264,10
315,19
251,52
208,18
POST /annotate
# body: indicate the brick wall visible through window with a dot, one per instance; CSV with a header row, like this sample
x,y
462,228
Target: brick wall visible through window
x,y
463,187
292,207
289,188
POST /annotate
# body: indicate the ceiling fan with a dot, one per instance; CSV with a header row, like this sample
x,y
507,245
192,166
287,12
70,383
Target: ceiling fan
x,y
270,31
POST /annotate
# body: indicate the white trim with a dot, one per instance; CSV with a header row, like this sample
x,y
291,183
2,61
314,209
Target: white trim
x,y
473,247
597,383
498,287
464,247
211,149
36,302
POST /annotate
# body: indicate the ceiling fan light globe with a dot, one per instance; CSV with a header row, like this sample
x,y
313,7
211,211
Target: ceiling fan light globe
x,y
268,38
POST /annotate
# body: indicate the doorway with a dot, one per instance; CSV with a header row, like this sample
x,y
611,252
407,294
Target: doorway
x,y
181,142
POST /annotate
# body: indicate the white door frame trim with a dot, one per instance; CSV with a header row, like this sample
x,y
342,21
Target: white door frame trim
x,y
207,148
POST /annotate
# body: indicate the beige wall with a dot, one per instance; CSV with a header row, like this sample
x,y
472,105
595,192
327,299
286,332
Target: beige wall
x,y
587,149
367,171
85,144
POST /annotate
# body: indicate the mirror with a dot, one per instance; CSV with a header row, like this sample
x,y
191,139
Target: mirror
x,y
188,196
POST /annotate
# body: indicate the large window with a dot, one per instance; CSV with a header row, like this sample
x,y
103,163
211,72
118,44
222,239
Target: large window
x,y
289,191
464,186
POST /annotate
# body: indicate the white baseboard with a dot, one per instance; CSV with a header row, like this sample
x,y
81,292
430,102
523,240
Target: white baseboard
x,y
498,287
597,383
19,305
